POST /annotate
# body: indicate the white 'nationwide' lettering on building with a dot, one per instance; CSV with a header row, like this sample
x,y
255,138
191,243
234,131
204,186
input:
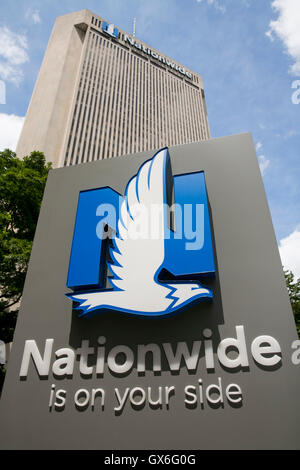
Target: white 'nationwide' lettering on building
x,y
153,54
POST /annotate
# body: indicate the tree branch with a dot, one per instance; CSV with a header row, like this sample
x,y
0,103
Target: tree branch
x,y
14,303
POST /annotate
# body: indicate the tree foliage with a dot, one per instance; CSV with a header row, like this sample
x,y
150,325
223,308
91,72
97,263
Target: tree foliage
x,y
293,288
22,184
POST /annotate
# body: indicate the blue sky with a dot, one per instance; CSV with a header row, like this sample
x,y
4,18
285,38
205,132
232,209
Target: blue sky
x,y
247,51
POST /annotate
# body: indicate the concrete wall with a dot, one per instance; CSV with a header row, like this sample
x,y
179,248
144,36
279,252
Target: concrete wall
x,y
44,126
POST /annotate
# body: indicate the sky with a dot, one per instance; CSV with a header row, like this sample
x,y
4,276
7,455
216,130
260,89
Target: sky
x,y
247,51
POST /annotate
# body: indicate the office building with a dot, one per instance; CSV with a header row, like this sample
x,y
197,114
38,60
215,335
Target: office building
x,y
103,93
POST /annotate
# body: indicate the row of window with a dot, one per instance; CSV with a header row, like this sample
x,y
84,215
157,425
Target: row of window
x,y
97,22
125,105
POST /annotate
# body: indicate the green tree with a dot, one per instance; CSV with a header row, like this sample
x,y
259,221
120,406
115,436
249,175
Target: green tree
x,y
22,184
293,288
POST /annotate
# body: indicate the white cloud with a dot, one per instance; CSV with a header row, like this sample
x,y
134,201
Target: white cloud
x,y
13,54
33,15
10,129
263,164
2,92
216,3
13,46
287,28
291,133
289,249
36,17
10,73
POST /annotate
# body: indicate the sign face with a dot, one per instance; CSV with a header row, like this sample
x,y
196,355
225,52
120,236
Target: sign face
x,y
175,329
142,243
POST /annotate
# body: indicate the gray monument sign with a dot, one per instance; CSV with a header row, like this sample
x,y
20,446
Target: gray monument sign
x,y
118,363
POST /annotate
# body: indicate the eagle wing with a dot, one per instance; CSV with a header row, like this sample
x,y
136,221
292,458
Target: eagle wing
x,y
138,247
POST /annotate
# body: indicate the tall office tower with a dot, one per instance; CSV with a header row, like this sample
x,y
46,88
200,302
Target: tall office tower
x,y
103,93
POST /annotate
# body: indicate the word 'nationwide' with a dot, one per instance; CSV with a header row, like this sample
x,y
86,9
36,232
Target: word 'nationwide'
x,y
156,56
121,359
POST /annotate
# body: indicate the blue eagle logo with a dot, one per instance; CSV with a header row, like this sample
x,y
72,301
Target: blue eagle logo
x,y
135,263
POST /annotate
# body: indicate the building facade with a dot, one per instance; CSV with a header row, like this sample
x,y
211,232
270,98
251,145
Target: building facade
x,y
102,93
